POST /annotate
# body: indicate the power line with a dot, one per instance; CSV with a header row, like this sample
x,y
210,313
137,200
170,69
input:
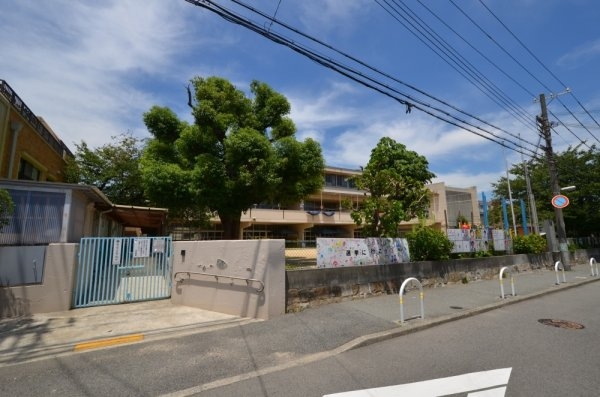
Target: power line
x,y
548,70
434,41
360,77
361,63
492,63
506,52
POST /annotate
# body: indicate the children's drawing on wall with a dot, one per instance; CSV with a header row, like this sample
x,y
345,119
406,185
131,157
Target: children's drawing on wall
x,y
343,252
476,239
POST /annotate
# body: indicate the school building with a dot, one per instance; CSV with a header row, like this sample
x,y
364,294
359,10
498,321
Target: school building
x,y
326,213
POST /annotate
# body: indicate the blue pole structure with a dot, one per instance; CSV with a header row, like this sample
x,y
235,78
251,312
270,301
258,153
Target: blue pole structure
x,y
504,214
485,211
524,218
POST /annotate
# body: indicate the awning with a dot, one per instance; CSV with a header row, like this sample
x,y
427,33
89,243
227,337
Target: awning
x,y
151,220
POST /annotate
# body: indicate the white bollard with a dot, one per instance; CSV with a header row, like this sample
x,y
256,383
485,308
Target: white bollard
x,y
556,271
592,264
512,281
401,293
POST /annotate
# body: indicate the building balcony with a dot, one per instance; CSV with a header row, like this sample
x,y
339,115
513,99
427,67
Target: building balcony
x,y
280,216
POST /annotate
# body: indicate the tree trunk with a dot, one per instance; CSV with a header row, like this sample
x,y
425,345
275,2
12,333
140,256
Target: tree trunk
x,y
231,226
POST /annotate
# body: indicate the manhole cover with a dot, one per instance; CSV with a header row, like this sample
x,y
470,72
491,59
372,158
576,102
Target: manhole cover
x,y
561,323
457,307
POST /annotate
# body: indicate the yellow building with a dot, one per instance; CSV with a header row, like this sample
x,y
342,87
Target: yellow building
x,y
325,214
29,149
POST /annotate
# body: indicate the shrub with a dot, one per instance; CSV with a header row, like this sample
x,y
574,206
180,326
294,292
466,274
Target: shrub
x,y
6,207
427,244
530,244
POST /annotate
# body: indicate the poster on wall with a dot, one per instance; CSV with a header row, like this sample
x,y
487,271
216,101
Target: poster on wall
x,y
499,241
141,248
345,252
463,239
158,246
116,251
473,240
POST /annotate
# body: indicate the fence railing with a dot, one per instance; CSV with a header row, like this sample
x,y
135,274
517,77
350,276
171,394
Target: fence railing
x,y
28,115
299,254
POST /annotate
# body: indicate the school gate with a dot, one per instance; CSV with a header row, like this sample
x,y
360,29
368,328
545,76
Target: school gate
x,y
114,270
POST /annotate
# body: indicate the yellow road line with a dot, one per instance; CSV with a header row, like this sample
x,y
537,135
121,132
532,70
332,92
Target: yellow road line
x,y
95,344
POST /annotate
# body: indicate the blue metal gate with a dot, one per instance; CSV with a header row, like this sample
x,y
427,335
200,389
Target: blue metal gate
x,y
115,270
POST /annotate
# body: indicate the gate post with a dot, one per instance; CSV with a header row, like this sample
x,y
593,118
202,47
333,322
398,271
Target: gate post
x,y
401,293
512,281
556,271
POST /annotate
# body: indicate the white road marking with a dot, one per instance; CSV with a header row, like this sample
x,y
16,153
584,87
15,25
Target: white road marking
x,y
474,382
498,392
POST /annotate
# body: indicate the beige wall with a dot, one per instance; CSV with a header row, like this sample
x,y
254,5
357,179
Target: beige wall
x,y
55,292
262,260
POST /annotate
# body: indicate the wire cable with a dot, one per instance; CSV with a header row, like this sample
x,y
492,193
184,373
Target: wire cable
x,y
509,55
424,33
548,70
405,99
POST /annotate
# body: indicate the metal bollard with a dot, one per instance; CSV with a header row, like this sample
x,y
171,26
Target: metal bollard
x,y
592,263
401,293
512,281
556,271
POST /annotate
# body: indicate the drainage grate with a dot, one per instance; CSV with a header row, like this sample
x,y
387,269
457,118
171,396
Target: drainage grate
x,y
561,323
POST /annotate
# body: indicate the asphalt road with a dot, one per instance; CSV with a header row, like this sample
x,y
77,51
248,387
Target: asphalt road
x,y
520,357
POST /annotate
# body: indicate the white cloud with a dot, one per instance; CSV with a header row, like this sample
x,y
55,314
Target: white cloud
x,y
79,65
312,110
580,55
463,179
331,15
358,128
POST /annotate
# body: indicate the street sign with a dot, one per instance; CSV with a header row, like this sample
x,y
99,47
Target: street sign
x,y
560,201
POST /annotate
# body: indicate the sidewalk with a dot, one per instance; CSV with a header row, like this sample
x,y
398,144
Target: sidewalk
x,y
330,328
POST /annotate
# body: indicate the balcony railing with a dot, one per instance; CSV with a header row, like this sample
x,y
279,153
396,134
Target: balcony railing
x,y
296,216
58,146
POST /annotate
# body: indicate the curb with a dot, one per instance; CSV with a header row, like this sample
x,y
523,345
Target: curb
x,y
377,337
39,353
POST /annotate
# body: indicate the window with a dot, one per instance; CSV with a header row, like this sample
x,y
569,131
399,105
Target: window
x,y
37,218
27,171
336,180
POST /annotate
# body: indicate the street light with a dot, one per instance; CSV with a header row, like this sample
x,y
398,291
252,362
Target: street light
x,y
567,188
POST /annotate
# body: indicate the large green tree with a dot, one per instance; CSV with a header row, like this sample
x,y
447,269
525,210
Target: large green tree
x,y
238,152
576,167
395,180
113,168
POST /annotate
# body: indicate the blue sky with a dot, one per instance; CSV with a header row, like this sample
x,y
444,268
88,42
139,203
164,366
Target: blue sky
x,y
91,69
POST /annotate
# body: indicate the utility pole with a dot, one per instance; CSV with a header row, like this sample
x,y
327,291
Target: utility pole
x,y
560,222
532,209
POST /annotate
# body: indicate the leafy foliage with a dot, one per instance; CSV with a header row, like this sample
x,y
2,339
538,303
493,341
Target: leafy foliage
x,y
575,167
113,168
530,244
428,244
240,151
395,180
7,207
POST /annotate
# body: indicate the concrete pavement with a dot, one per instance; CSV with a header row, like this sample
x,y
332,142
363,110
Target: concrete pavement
x,y
314,332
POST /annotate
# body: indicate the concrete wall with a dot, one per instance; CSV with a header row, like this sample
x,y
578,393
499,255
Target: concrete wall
x,y
262,260
55,292
312,287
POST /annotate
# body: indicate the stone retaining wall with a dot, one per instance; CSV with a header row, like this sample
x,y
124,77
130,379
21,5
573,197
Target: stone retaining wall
x,y
313,287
